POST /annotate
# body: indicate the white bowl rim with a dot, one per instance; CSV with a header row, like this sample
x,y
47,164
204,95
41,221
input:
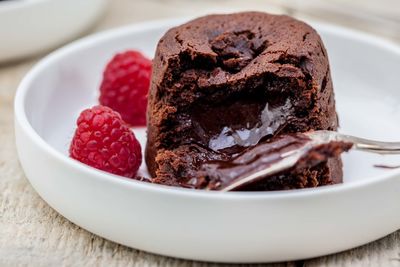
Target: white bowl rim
x,y
22,120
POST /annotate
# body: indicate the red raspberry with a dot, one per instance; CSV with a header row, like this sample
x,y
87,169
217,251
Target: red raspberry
x,y
103,141
126,82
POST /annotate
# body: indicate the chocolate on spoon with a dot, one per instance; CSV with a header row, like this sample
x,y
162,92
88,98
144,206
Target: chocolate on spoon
x,y
287,152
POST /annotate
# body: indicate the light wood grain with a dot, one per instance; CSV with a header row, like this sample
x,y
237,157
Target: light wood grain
x,y
33,234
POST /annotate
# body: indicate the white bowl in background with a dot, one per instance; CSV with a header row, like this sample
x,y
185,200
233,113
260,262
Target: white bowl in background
x,y
28,27
213,226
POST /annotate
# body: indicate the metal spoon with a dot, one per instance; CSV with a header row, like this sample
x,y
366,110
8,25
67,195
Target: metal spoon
x,y
290,158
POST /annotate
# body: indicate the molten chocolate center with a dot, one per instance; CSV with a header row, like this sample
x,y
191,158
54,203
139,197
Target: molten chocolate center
x,y
231,127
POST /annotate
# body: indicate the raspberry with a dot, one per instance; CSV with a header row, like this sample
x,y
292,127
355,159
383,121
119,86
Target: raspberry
x,y
126,82
103,141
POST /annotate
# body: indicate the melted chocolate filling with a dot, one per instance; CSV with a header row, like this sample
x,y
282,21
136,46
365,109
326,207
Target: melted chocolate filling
x,y
239,123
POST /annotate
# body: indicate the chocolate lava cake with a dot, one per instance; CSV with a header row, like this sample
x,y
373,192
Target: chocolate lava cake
x,y
225,84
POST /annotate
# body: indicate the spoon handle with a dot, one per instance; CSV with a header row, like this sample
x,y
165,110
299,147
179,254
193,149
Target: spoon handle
x,y
372,146
359,143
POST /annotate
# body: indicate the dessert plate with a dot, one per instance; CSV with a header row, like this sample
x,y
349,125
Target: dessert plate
x,y
215,226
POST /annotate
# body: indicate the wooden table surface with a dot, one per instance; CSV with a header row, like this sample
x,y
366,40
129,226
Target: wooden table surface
x,y
33,234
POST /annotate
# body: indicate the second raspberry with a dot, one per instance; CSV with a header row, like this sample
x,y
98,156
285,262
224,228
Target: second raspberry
x,y
125,85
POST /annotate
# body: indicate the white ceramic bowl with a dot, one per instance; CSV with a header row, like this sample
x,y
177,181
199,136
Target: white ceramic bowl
x,y
213,226
31,26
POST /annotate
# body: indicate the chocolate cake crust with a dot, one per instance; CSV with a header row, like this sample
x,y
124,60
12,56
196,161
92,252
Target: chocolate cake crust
x,y
222,83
